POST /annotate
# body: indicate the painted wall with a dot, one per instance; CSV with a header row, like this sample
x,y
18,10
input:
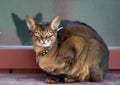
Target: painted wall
x,y
12,18
102,15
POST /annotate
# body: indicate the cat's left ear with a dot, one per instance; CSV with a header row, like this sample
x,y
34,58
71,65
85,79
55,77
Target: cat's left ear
x,y
55,22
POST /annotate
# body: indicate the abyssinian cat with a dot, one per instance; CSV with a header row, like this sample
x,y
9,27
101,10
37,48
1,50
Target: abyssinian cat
x,y
72,53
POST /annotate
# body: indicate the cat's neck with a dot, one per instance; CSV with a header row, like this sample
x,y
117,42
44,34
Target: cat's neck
x,y
44,51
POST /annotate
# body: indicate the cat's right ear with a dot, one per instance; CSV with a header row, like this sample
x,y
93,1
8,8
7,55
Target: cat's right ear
x,y
31,23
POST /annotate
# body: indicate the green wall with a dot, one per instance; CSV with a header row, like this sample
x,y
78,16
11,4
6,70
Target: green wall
x,y
102,15
21,8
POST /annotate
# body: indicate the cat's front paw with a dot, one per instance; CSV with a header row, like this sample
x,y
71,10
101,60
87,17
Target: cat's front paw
x,y
70,80
51,80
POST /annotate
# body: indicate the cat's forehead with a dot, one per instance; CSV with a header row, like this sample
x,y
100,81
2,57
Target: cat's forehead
x,y
43,26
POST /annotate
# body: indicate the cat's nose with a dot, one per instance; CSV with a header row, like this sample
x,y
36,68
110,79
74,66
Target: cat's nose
x,y
43,41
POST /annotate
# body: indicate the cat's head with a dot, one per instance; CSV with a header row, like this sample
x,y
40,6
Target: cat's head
x,y
43,35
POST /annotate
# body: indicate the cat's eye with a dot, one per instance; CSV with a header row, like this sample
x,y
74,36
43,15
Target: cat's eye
x,y
49,33
37,34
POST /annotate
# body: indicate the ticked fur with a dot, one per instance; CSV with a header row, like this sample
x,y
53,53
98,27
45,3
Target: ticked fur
x,y
76,50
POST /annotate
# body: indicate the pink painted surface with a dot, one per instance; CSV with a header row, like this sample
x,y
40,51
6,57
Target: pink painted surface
x,y
24,58
17,58
114,59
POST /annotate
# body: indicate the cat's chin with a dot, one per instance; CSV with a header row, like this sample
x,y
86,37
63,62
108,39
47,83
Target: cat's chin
x,y
43,45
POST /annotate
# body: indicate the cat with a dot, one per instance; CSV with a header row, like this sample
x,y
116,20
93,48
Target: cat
x,y
72,52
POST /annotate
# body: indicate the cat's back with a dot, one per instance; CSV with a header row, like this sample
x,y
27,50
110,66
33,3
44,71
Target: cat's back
x,y
80,29
77,29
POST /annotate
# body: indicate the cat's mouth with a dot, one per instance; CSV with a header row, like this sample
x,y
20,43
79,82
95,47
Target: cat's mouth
x,y
43,44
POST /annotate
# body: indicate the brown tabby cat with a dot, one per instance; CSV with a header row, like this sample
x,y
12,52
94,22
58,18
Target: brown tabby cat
x,y
73,53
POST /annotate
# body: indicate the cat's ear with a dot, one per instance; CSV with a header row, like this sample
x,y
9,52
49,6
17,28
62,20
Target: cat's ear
x,y
31,23
55,22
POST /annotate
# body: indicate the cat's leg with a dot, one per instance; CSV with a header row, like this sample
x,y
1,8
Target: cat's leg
x,y
52,79
96,73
